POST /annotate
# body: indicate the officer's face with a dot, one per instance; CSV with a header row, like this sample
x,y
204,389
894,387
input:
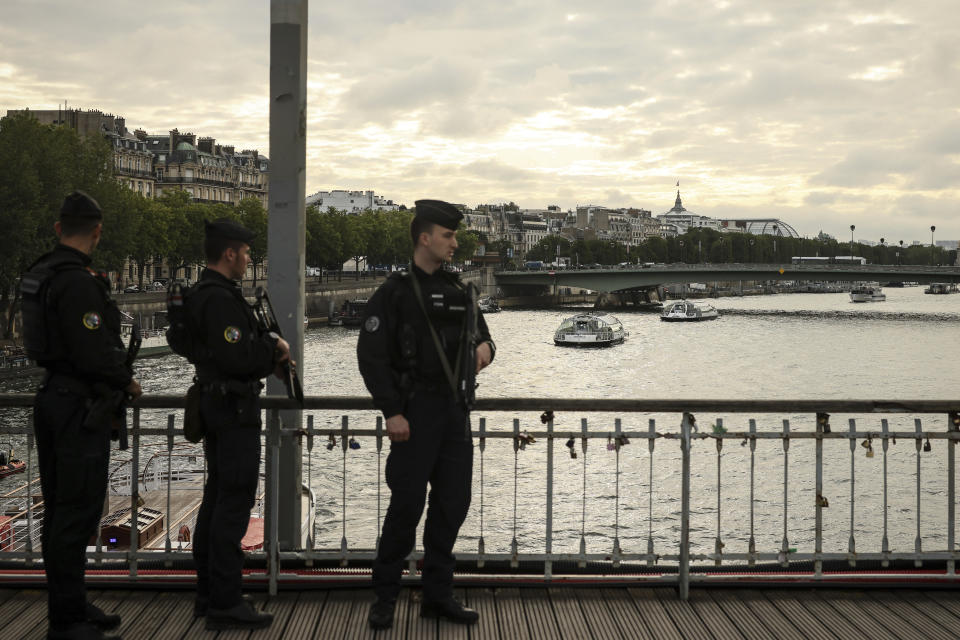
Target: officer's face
x,y
442,243
238,261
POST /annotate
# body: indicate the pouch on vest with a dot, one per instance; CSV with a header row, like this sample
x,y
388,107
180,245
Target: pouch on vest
x,y
34,285
193,428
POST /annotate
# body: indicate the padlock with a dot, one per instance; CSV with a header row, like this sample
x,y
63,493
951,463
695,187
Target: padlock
x,y
926,445
610,445
352,443
331,443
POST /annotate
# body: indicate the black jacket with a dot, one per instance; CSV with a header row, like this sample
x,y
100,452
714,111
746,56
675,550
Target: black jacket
x,y
395,350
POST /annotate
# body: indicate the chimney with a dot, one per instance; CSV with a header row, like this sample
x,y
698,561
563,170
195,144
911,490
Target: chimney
x,y
228,150
205,144
191,138
174,134
121,125
140,134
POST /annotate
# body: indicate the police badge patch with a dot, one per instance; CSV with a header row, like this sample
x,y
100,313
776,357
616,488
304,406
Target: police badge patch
x,y
372,324
91,320
232,335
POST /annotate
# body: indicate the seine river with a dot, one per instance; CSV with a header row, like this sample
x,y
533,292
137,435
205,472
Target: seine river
x,y
763,347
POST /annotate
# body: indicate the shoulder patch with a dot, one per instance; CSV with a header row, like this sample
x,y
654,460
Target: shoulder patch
x,y
91,320
232,334
372,324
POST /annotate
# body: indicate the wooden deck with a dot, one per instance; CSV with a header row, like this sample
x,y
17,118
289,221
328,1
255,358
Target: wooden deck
x,y
548,613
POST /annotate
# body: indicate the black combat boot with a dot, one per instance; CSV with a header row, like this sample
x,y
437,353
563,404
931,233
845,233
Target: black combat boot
x,y
381,613
240,616
101,619
78,631
449,608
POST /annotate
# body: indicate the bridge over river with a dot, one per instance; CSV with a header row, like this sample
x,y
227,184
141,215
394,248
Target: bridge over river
x,y
636,278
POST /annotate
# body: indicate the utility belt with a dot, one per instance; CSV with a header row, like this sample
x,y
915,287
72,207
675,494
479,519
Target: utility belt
x,y
57,380
250,388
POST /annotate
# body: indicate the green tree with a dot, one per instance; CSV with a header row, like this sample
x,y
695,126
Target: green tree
x,y
251,214
467,242
323,239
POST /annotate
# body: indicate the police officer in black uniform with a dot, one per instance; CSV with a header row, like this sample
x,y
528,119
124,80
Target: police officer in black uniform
x,y
428,427
233,355
72,329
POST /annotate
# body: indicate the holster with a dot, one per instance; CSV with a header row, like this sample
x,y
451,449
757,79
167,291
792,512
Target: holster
x,y
193,427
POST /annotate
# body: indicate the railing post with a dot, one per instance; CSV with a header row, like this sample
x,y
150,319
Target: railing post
x,y
548,563
168,546
953,425
687,425
29,543
273,502
852,543
885,544
918,541
823,426
135,494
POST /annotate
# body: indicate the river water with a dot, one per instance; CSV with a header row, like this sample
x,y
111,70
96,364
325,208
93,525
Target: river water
x,y
763,347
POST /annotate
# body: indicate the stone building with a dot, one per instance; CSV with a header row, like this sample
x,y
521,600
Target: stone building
x,y
351,201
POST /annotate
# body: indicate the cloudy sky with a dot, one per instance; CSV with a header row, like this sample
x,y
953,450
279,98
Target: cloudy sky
x,y
824,114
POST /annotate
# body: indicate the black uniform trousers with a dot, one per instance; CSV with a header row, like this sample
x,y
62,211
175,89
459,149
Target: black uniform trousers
x,y
73,479
439,451
231,447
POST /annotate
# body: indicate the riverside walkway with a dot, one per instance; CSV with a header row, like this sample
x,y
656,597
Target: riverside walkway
x,y
511,613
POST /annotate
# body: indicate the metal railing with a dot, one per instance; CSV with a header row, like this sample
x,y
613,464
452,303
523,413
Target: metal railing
x,y
635,488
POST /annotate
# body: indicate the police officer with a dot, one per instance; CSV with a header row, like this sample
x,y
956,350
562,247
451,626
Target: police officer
x,y
232,356
72,329
400,353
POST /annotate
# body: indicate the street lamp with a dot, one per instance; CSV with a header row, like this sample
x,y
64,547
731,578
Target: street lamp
x,y
898,254
933,250
681,251
852,227
882,246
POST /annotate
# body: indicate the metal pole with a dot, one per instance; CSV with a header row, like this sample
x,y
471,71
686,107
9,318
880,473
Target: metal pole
x,y
684,580
548,563
286,229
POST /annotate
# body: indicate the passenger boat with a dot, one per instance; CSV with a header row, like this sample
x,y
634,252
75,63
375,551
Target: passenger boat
x,y
8,464
941,288
350,313
488,305
687,311
867,293
589,330
14,363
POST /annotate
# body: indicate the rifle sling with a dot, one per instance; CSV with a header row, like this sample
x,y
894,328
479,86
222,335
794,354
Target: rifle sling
x,y
433,333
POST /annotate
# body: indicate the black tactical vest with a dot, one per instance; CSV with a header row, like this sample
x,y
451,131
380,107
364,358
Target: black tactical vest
x,y
41,338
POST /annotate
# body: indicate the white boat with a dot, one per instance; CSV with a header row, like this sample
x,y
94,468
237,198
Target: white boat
x,y
867,293
688,311
589,330
488,305
941,288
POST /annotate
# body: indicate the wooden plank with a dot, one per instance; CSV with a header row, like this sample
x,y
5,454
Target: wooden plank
x,y
566,610
33,618
399,629
357,626
180,620
651,608
902,618
21,599
510,613
282,607
903,605
311,612
541,622
597,615
833,620
451,630
945,599
741,615
152,617
418,627
713,616
800,616
682,613
947,617
763,609
625,614
136,604
483,600
851,605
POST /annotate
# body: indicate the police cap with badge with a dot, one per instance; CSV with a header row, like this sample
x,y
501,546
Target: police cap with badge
x,y
439,212
79,206
227,229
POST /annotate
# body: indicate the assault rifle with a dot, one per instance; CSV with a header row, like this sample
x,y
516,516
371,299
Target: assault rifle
x,y
470,338
110,405
267,320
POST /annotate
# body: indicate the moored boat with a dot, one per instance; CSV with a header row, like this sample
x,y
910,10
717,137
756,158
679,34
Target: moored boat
x,y
867,293
688,311
488,305
589,330
350,313
8,464
941,288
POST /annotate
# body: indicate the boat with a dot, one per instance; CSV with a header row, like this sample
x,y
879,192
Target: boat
x,y
14,363
941,288
8,464
488,305
350,313
687,311
867,293
589,330
153,342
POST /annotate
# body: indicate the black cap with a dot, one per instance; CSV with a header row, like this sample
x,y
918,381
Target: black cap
x,y
79,206
228,229
439,212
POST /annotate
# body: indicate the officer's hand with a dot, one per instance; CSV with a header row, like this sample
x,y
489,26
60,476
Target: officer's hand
x,y
398,429
133,389
283,350
484,356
